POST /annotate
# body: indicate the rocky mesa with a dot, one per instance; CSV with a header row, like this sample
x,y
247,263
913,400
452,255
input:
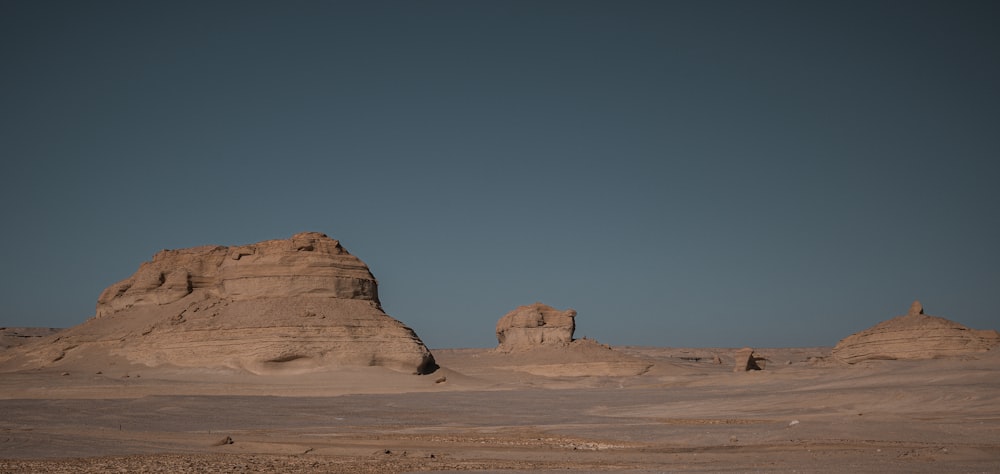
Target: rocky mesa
x,y
299,304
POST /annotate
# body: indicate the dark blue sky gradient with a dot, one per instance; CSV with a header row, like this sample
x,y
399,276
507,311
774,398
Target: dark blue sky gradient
x,y
680,173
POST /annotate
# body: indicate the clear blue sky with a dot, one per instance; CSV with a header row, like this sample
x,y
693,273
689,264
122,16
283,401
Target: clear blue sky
x,y
681,173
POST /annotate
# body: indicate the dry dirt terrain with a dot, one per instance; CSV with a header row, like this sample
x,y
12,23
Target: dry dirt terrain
x,y
643,410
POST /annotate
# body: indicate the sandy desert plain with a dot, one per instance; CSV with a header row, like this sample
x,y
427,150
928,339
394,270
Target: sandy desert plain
x,y
483,411
277,357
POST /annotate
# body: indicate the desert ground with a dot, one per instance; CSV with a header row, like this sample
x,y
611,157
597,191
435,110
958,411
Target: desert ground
x,y
643,410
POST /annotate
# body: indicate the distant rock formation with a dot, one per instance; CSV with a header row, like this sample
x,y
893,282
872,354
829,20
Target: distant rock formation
x,y
747,360
535,325
538,339
14,337
300,304
914,336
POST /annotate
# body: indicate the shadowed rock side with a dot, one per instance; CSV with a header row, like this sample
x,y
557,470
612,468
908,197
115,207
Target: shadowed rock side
x,y
278,306
534,325
914,336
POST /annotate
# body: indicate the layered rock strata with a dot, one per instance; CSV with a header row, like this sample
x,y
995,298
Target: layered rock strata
x,y
914,336
309,264
301,304
535,325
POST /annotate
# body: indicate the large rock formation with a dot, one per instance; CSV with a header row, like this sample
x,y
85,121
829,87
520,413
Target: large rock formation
x,y
535,325
300,304
914,336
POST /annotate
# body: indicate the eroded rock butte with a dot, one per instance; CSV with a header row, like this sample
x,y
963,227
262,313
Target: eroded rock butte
x,y
294,305
535,325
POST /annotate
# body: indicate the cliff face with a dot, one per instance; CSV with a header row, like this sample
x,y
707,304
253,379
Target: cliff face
x,y
301,304
914,336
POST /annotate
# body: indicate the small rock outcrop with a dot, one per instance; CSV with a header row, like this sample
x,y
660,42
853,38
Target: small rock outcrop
x,y
914,336
535,325
294,305
747,359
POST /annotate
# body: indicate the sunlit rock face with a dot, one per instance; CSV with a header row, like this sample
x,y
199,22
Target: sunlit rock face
x,y
535,325
309,264
299,304
914,336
